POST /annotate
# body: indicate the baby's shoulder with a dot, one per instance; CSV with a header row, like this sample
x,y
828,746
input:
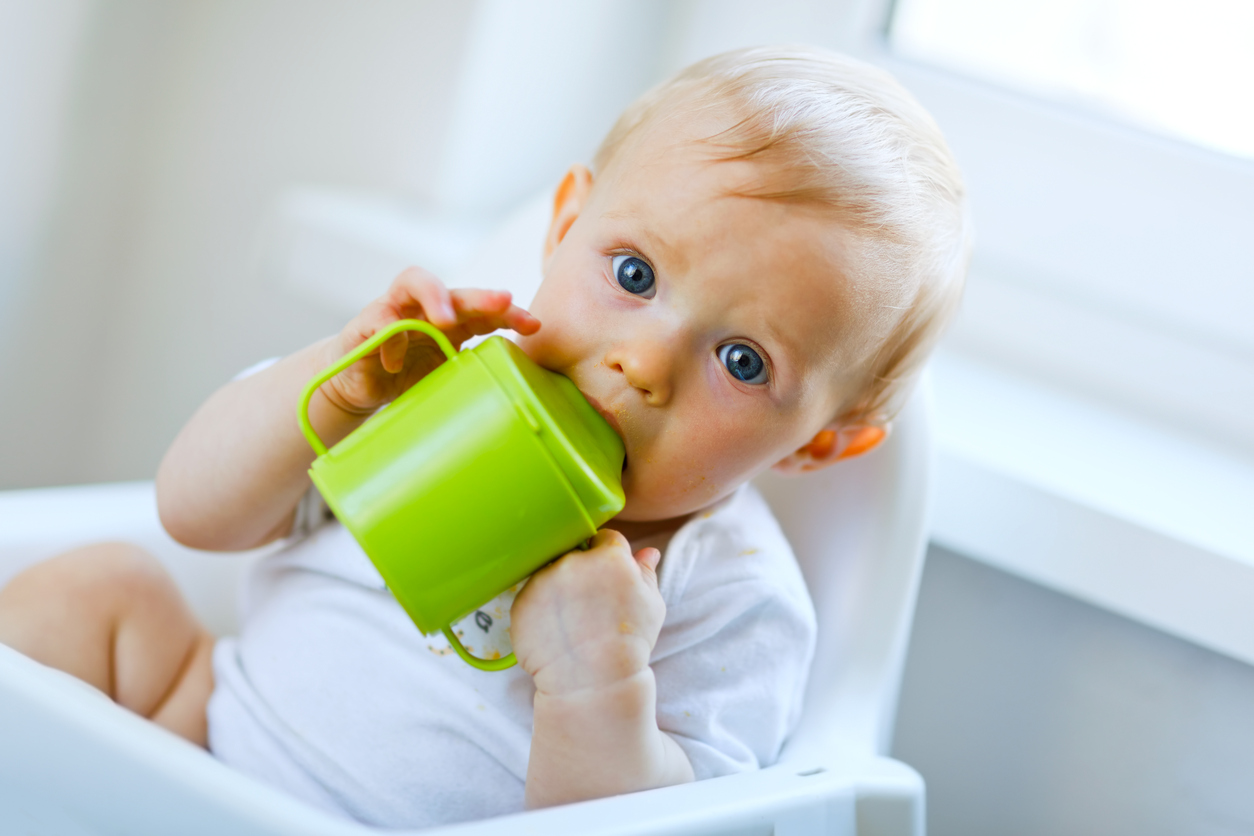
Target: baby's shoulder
x,y
735,649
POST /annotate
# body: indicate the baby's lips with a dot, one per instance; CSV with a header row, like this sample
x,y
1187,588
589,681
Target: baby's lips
x,y
610,417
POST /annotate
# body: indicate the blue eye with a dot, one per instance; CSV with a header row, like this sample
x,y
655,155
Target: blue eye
x,y
633,274
743,363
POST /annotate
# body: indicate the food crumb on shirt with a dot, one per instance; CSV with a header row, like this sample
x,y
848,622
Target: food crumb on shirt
x,y
748,552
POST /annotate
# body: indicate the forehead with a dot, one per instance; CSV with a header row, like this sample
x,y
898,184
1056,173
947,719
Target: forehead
x,y
789,270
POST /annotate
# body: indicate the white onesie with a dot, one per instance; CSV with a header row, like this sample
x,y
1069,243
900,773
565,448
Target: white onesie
x,y
331,693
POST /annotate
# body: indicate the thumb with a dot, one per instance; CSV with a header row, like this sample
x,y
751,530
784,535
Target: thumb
x,y
648,559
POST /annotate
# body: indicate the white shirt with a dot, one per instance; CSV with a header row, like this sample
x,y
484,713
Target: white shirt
x,y
331,692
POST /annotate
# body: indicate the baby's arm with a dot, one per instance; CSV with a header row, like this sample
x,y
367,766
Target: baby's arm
x,y
234,475
584,628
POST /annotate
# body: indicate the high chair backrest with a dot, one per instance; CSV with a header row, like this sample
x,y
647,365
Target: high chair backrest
x,y
858,528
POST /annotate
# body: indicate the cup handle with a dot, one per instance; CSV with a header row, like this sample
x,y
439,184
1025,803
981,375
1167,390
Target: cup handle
x,y
492,664
352,357
474,661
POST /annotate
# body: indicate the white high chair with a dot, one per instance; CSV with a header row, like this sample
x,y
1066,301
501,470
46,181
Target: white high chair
x,y
73,762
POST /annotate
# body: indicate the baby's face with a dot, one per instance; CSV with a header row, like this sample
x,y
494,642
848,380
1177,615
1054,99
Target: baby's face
x,y
710,330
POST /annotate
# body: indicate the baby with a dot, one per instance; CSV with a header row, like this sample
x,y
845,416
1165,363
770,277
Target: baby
x,y
760,258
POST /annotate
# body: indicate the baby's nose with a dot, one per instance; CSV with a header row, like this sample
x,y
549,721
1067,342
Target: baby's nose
x,y
646,364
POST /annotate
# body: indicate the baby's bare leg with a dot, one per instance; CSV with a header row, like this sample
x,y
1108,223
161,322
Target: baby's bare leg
x,y
110,615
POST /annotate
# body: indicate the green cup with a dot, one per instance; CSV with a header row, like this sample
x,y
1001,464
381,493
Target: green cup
x,y
478,475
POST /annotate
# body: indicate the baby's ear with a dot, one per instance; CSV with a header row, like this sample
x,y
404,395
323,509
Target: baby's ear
x,y
568,202
831,444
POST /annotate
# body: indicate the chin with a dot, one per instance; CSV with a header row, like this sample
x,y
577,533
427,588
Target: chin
x,y
649,507
643,506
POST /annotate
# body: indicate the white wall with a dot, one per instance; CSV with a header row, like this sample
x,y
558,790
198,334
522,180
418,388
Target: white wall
x,y
39,50
187,121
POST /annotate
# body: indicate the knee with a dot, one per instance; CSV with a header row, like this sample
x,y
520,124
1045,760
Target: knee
x,y
97,576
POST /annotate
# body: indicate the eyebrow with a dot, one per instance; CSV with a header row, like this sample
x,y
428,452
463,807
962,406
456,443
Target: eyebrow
x,y
654,241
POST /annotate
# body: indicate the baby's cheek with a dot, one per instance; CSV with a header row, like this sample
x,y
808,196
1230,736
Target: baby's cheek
x,y
658,485
723,458
547,350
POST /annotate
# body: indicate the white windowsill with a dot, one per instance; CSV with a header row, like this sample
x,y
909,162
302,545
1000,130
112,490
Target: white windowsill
x,y
1127,515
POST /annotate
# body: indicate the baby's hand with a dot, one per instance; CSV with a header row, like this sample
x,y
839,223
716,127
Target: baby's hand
x,y
591,618
380,377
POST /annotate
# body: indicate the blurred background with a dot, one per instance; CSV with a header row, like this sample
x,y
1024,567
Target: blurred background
x,y
163,167
189,187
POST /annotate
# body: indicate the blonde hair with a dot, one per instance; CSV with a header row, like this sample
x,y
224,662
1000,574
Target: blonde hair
x,y
842,134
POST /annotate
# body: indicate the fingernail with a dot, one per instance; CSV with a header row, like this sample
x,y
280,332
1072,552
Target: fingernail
x,y
448,312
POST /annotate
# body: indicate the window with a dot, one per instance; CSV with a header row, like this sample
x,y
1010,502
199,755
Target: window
x,y
1182,69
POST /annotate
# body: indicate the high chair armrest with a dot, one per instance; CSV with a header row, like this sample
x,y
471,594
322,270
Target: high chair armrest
x,y
40,521
74,762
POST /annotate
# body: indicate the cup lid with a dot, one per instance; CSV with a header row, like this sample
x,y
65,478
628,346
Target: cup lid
x,y
584,446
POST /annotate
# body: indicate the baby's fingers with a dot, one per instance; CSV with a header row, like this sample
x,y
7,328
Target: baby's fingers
x,y
392,353
416,292
473,302
521,321
483,311
648,558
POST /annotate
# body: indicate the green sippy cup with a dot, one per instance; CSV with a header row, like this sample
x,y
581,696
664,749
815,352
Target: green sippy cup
x,y
471,480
